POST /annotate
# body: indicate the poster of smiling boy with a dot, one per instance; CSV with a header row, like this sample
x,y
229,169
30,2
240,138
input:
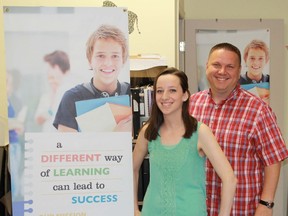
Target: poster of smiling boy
x,y
72,173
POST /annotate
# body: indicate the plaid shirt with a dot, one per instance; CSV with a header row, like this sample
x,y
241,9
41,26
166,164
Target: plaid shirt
x,y
246,130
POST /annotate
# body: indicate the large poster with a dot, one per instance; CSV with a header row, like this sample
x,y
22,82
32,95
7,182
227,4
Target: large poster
x,y
68,71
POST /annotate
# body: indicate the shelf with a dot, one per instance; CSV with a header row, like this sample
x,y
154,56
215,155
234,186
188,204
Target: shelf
x,y
150,72
138,63
145,77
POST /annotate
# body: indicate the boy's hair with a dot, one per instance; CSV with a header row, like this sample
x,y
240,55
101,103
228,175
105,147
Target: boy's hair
x,y
105,32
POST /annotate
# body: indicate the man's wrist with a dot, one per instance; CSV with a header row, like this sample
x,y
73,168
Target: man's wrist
x,y
268,204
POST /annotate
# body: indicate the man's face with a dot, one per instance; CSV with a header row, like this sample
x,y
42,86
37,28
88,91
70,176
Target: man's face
x,y
256,61
106,60
223,71
54,76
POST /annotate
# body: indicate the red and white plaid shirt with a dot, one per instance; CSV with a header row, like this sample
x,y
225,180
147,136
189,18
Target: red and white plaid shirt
x,y
246,130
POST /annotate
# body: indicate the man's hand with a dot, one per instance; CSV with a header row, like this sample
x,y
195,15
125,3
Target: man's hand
x,y
263,211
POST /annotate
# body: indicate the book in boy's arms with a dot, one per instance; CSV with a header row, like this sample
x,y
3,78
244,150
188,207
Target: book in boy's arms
x,y
88,105
102,114
120,112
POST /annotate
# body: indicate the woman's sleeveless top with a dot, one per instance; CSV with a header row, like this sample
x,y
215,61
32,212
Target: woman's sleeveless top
x,y
177,179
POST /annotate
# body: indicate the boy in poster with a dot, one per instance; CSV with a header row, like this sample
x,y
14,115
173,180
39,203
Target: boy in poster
x,y
256,57
107,52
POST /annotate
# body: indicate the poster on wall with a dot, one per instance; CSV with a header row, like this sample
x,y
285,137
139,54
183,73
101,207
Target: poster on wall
x,y
69,111
254,47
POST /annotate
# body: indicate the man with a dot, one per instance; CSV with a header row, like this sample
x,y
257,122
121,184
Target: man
x,y
246,129
59,79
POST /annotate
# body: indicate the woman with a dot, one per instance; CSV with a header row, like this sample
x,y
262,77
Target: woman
x,y
178,146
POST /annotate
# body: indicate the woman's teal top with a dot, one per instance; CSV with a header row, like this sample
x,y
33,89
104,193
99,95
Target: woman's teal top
x,y
177,179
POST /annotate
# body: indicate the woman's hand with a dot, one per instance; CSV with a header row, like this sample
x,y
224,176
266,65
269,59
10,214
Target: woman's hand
x,y
137,213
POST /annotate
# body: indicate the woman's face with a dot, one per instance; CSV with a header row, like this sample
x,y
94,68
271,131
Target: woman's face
x,y
106,60
169,94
